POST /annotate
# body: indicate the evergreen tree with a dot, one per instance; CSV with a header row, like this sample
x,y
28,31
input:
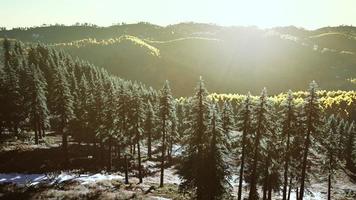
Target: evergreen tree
x,y
244,125
109,127
137,113
172,137
82,110
165,111
289,123
218,185
350,138
7,52
36,90
13,100
63,106
330,144
312,120
149,127
192,169
123,115
353,152
262,126
228,121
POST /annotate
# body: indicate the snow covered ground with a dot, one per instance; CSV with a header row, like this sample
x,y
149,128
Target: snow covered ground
x,y
34,179
317,190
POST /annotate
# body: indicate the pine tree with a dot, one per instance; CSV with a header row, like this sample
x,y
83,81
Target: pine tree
x,y
244,125
123,115
149,127
262,120
82,109
172,137
109,128
36,91
2,98
13,100
137,113
330,144
228,121
192,169
289,123
312,120
218,168
165,111
353,152
63,106
350,138
7,52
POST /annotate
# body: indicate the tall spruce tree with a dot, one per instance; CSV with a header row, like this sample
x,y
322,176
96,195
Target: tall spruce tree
x,y
312,120
262,126
137,113
12,98
165,111
244,125
288,124
350,138
109,128
193,166
63,109
329,142
36,91
172,137
228,121
149,127
218,187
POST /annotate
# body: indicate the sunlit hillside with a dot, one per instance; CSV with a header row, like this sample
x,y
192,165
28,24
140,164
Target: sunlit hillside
x,y
232,59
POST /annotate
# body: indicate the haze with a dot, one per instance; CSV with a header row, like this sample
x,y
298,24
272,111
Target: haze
x,y
264,14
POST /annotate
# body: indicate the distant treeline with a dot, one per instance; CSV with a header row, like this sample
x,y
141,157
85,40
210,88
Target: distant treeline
x,y
342,103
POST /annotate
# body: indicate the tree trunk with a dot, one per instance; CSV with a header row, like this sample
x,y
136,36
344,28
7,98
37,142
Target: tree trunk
x,y
253,195
39,129
163,154
64,143
109,154
264,191
119,152
139,161
43,130
297,193
134,149
149,146
239,194
35,128
102,150
270,193
286,165
329,186
266,181
304,165
126,170
290,187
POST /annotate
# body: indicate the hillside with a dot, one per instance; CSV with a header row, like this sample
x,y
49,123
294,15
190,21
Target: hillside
x,y
232,59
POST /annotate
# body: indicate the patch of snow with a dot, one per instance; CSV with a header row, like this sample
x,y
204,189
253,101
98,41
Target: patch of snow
x,y
158,198
177,150
22,179
33,179
85,179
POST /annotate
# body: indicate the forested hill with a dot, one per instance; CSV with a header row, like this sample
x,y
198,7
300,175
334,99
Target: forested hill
x,y
231,59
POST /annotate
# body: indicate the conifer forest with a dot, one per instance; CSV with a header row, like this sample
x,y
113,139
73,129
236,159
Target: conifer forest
x,y
182,111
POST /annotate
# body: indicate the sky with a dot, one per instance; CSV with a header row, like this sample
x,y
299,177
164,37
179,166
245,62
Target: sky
x,y
310,14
